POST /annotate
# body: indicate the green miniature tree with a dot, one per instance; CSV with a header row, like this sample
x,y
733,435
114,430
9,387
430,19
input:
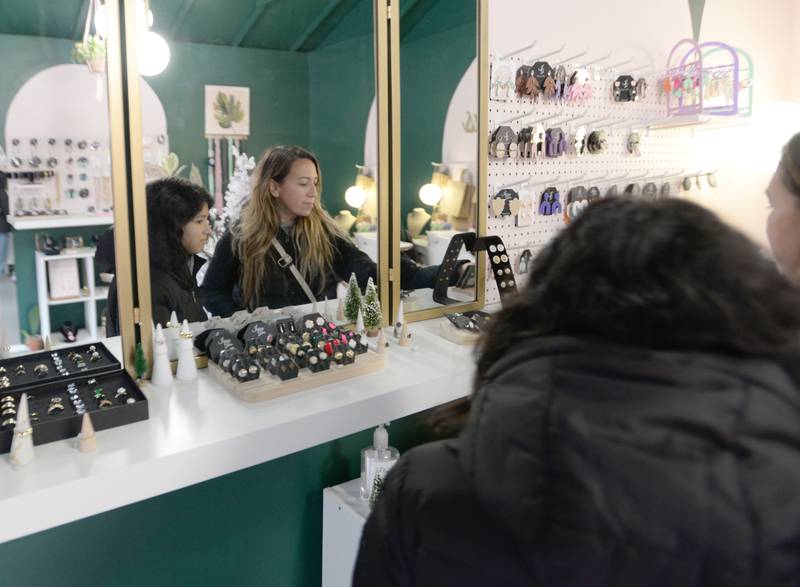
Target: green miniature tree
x,y
352,301
140,362
373,317
377,489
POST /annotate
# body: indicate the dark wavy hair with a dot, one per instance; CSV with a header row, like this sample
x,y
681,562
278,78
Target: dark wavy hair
x,y
171,203
790,165
665,275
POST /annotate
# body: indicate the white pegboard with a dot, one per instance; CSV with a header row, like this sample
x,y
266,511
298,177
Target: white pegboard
x,y
661,152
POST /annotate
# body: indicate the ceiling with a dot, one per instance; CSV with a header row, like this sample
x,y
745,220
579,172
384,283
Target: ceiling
x,y
284,25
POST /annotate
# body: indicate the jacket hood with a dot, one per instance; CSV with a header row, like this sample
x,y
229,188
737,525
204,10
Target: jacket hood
x,y
562,428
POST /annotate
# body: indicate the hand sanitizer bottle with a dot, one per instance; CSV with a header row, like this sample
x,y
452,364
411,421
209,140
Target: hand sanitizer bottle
x,y
376,461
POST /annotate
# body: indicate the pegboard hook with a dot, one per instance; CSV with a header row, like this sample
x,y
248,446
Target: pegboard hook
x,y
572,57
616,65
520,50
556,52
598,178
598,60
543,182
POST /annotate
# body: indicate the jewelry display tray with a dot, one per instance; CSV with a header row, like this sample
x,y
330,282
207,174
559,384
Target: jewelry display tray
x,y
269,386
67,424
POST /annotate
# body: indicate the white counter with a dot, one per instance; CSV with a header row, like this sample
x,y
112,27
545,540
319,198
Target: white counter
x,y
200,431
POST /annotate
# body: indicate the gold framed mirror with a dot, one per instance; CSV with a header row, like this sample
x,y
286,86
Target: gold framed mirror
x,y
214,123
64,176
440,83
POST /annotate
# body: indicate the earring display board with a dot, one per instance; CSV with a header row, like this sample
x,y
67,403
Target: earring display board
x,y
554,189
57,150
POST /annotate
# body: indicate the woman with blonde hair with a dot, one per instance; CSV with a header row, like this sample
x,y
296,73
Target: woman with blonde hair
x,y
283,226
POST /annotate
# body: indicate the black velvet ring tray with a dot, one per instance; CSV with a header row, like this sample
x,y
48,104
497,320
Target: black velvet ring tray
x,y
60,425
105,364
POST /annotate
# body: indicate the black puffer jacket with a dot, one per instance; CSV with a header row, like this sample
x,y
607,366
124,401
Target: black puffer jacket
x,y
171,290
584,464
220,288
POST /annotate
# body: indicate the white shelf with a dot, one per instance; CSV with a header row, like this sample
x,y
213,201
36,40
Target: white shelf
x,y
63,301
58,221
81,253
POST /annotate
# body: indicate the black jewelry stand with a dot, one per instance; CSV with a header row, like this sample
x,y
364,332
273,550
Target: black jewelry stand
x,y
499,261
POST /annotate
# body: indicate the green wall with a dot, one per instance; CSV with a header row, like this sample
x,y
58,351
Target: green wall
x,y
435,51
259,526
279,108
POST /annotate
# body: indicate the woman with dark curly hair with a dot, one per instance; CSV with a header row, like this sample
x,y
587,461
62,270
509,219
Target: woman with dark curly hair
x,y
635,420
783,226
177,229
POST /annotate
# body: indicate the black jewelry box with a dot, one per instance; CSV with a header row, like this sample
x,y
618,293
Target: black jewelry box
x,y
102,377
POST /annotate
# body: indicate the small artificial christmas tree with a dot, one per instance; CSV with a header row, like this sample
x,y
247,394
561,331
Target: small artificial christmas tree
x,y
373,317
140,362
238,192
377,489
352,301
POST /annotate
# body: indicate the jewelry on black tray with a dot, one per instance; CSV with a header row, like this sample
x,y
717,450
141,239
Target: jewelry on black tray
x,y
8,423
41,370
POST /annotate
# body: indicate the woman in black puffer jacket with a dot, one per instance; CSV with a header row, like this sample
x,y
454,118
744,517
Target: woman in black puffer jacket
x,y
635,421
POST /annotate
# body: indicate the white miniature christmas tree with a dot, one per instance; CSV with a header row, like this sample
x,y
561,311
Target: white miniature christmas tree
x,y
405,336
360,322
86,438
373,317
352,302
162,372
22,441
238,192
187,369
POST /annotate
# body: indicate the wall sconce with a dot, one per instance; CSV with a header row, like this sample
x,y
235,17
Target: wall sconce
x,y
431,193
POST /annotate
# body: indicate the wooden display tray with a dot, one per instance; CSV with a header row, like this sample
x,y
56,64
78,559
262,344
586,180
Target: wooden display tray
x,y
457,335
269,386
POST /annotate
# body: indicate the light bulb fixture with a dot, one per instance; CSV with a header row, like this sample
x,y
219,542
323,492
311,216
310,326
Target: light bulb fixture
x,y
153,54
358,193
355,196
431,193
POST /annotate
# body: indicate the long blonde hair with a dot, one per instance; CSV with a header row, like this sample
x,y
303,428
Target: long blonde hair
x,y
259,223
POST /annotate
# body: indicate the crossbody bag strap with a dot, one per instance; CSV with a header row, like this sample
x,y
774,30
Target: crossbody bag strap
x,y
285,260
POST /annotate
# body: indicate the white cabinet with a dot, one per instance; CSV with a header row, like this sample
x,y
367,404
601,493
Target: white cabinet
x,y
85,260
343,517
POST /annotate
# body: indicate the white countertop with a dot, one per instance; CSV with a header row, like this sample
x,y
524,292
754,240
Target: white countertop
x,y
200,431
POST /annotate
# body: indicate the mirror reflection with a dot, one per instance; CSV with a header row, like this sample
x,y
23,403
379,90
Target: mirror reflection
x,y
439,159
56,195
262,181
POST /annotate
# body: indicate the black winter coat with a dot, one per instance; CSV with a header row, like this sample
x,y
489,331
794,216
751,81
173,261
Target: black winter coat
x,y
220,287
172,290
584,464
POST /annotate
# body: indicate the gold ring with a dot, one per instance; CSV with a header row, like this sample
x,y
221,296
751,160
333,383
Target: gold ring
x,y
105,403
8,422
8,412
54,407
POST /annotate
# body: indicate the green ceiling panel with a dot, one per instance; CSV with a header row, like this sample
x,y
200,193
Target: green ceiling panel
x,y
283,25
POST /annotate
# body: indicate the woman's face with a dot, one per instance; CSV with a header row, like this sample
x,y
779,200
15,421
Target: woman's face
x,y
196,232
783,226
297,192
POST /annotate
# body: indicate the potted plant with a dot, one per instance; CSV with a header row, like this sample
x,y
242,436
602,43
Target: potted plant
x,y
92,52
33,341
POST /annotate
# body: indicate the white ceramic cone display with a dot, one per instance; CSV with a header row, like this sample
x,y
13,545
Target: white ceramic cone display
x,y
187,369
86,438
360,322
48,344
405,336
5,348
381,348
173,320
22,441
162,372
401,320
326,310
